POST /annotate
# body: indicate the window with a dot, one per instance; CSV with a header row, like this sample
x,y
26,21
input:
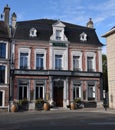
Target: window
x,y
22,91
2,50
23,60
58,62
76,63
39,91
90,64
83,37
40,61
2,74
33,32
76,91
91,92
58,34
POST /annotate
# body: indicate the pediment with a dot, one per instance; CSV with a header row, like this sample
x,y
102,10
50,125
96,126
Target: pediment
x,y
58,24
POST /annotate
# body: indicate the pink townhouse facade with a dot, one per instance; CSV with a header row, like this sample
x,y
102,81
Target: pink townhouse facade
x,y
56,61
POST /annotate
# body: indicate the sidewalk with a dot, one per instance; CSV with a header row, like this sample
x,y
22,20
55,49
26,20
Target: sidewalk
x,y
61,110
101,110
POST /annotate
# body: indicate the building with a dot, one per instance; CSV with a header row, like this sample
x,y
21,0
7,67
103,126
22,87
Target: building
x,y
110,39
56,61
4,59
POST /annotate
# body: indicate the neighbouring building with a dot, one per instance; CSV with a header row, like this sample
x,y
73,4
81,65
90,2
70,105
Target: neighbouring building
x,y
56,61
4,59
110,40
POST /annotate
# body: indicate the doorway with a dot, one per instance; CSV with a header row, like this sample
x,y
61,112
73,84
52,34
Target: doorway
x,y
58,93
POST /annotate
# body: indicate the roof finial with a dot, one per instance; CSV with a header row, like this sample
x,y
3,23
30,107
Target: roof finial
x,y
90,23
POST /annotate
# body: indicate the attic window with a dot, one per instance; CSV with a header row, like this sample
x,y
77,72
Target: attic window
x,y
83,37
33,32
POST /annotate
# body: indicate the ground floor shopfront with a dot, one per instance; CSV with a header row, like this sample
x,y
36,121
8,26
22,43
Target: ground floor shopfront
x,y
62,88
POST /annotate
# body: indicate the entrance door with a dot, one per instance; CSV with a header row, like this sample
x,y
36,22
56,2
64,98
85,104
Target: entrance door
x,y
1,93
58,93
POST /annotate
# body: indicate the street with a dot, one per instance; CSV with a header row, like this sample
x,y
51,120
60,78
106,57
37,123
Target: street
x,y
66,119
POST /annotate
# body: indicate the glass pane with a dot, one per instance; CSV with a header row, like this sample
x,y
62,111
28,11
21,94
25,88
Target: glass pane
x,y
2,50
37,91
23,60
76,62
2,74
39,61
20,93
90,63
58,61
25,92
41,92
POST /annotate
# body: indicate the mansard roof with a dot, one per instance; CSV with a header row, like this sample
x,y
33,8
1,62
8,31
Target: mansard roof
x,y
45,30
4,33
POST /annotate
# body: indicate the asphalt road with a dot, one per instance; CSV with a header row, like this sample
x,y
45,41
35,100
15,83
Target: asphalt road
x,y
57,120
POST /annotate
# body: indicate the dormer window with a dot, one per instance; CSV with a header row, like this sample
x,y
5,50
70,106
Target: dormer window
x,y
58,34
33,32
83,37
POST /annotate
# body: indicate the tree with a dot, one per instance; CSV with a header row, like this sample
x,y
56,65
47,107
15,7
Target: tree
x,y
105,75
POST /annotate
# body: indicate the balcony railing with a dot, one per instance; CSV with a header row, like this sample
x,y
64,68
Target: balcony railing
x,y
58,68
39,68
23,67
90,70
76,69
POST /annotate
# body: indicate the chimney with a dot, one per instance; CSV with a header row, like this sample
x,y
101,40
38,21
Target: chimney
x,y
6,14
90,23
13,22
13,19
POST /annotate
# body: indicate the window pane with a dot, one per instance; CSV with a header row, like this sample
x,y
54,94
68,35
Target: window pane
x,y
23,60
58,61
20,93
58,34
90,63
76,92
39,92
2,74
91,92
25,92
76,63
2,50
39,61
22,90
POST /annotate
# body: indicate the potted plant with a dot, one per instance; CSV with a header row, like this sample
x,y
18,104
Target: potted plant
x,y
46,106
79,103
39,104
23,104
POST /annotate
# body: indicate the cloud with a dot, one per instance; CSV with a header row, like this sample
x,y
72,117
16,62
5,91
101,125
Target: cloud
x,y
20,16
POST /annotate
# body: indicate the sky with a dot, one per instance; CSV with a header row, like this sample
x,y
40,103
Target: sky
x,y
76,12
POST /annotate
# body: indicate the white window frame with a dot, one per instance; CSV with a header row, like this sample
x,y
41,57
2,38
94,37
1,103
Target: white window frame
x,y
39,93
40,51
58,34
93,91
28,89
33,32
75,86
93,55
24,50
76,53
83,37
60,52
